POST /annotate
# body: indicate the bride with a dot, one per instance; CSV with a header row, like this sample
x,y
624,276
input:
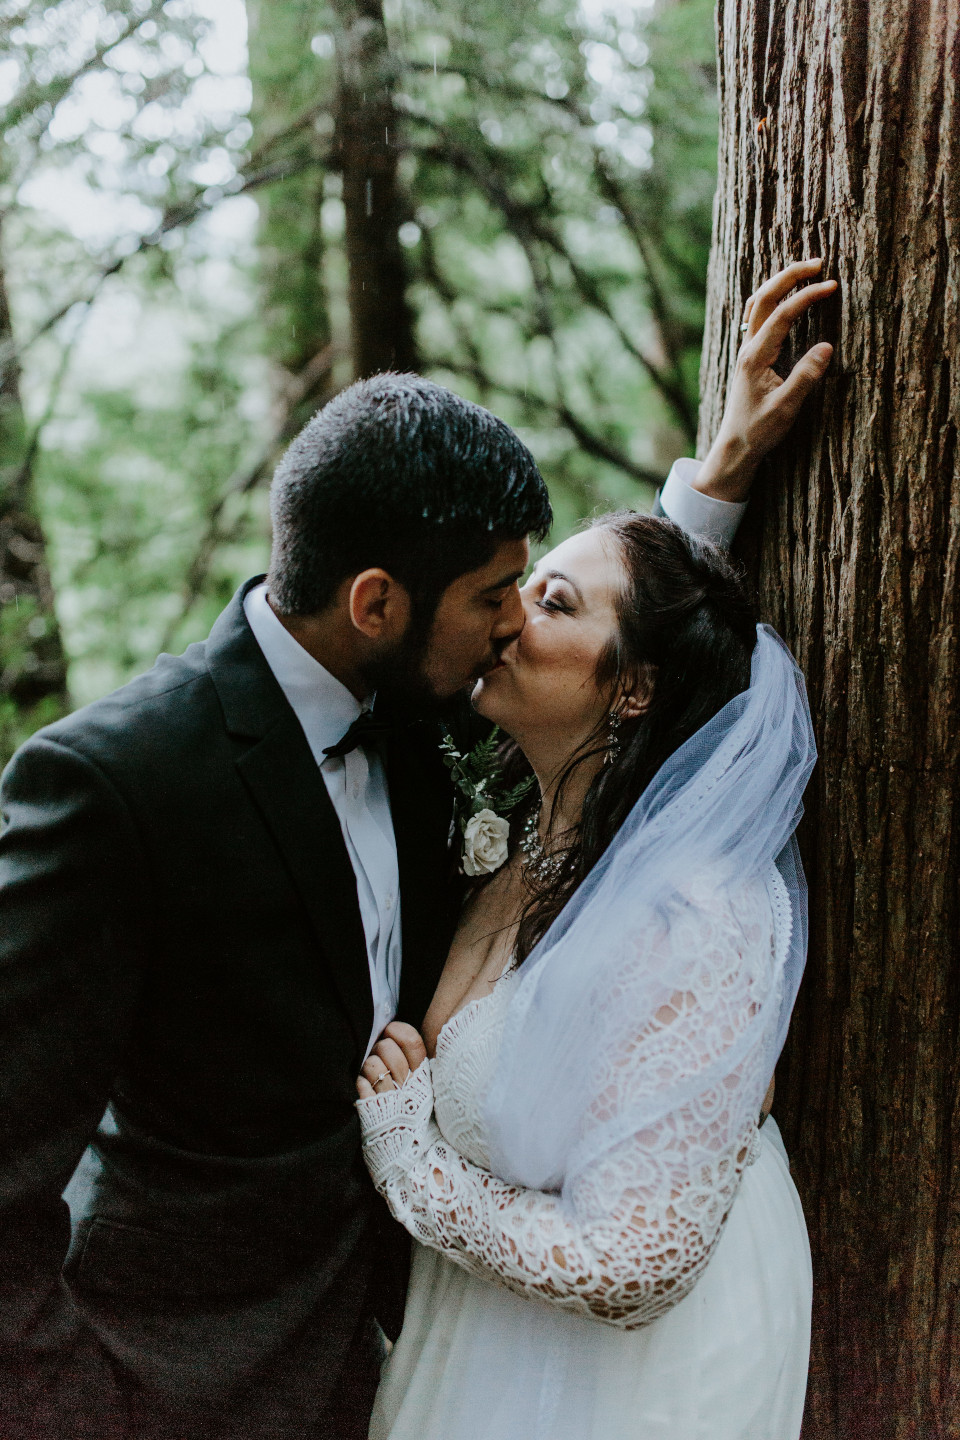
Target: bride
x,y
607,1245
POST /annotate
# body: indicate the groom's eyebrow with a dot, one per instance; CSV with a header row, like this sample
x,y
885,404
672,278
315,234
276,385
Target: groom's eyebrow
x,y
503,584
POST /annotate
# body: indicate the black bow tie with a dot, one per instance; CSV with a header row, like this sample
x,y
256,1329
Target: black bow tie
x,y
367,728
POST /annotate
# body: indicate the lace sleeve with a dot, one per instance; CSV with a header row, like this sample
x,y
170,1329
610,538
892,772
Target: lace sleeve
x,y
644,1217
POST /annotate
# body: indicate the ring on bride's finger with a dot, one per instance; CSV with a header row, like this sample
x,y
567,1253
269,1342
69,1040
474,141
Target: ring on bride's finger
x,y
744,326
381,1077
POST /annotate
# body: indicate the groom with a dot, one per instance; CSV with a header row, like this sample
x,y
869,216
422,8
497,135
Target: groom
x,y
205,880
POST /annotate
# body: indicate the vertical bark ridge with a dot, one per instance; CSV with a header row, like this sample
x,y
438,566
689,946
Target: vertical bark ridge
x,y
840,136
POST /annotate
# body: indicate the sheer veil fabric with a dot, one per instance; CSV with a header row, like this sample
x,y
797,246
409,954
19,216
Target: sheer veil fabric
x,y
633,1063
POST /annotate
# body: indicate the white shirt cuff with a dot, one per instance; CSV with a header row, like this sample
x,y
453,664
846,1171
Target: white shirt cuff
x,y
698,514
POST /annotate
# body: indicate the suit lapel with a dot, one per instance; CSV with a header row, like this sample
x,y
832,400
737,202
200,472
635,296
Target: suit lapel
x,y
282,776
285,783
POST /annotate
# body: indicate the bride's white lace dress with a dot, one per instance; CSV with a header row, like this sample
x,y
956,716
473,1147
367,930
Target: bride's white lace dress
x,y
728,1361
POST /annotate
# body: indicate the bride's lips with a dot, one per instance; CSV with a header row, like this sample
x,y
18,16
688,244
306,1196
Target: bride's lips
x,y
491,670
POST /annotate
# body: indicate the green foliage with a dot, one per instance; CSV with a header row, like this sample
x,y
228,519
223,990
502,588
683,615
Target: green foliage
x,y
18,722
130,475
551,275
24,628
289,81
479,780
557,166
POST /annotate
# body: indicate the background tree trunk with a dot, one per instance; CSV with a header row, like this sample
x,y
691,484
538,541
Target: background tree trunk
x,y
840,136
33,670
366,147
288,82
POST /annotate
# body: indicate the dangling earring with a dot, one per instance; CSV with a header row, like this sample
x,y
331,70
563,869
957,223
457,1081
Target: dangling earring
x,y
613,738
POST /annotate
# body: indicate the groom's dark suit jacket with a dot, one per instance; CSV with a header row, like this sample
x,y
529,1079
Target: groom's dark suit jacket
x,y
181,947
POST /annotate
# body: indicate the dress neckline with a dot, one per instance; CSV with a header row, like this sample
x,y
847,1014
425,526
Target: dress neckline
x,y
449,1027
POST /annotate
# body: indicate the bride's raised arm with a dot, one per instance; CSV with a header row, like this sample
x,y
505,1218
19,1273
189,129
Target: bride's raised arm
x,y
708,498
640,1222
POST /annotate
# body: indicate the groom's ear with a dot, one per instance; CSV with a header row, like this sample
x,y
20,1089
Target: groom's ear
x,y
379,606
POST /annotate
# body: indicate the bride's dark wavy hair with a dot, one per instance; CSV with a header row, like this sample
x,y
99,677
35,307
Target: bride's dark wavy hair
x,y
686,627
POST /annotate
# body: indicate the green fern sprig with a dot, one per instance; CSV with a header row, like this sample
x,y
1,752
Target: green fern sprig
x,y
477,777
510,799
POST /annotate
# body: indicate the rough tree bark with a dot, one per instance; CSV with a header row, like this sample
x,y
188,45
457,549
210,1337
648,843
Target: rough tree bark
x,y
33,670
366,148
840,136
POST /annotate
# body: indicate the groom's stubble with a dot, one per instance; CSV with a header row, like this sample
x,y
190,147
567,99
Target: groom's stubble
x,y
400,675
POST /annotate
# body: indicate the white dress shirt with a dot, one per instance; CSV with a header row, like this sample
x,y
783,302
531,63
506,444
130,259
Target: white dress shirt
x,y
357,786
696,513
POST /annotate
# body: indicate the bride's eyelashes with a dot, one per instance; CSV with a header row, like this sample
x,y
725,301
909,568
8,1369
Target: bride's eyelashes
x,y
553,600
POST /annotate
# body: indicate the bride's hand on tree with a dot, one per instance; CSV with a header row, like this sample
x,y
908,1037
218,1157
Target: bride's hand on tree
x,y
761,405
399,1050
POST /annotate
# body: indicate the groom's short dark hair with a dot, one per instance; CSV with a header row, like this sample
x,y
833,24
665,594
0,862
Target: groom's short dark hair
x,y
401,473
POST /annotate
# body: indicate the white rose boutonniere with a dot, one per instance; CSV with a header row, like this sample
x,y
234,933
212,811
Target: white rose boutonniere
x,y
482,804
485,843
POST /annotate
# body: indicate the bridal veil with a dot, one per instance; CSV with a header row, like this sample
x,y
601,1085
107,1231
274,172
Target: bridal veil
x,y
637,1051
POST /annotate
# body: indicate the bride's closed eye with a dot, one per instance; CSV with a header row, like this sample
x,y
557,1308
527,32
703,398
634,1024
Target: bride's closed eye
x,y
552,597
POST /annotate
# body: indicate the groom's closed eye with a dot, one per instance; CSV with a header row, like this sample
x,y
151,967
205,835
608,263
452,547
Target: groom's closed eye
x,y
495,595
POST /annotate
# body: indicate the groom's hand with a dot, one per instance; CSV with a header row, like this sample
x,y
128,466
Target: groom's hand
x,y
399,1050
761,406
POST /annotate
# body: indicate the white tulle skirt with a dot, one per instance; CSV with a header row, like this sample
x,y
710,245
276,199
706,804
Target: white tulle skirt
x,y
729,1362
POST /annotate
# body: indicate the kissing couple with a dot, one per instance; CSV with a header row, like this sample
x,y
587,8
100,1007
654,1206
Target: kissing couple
x,y
562,965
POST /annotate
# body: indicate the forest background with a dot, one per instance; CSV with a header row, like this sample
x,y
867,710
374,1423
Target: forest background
x,y
215,215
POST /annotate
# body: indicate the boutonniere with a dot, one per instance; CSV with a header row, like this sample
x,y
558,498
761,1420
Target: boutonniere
x,y
482,803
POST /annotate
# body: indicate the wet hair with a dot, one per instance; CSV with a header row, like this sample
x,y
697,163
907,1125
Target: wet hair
x,y
399,473
686,627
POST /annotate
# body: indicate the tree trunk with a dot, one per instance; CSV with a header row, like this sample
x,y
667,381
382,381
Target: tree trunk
x,y
381,320
33,670
840,136
288,81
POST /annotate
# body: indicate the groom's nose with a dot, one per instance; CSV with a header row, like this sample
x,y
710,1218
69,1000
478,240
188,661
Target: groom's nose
x,y
510,619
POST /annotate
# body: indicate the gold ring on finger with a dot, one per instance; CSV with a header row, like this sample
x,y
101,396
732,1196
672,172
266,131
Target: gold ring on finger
x,y
381,1077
